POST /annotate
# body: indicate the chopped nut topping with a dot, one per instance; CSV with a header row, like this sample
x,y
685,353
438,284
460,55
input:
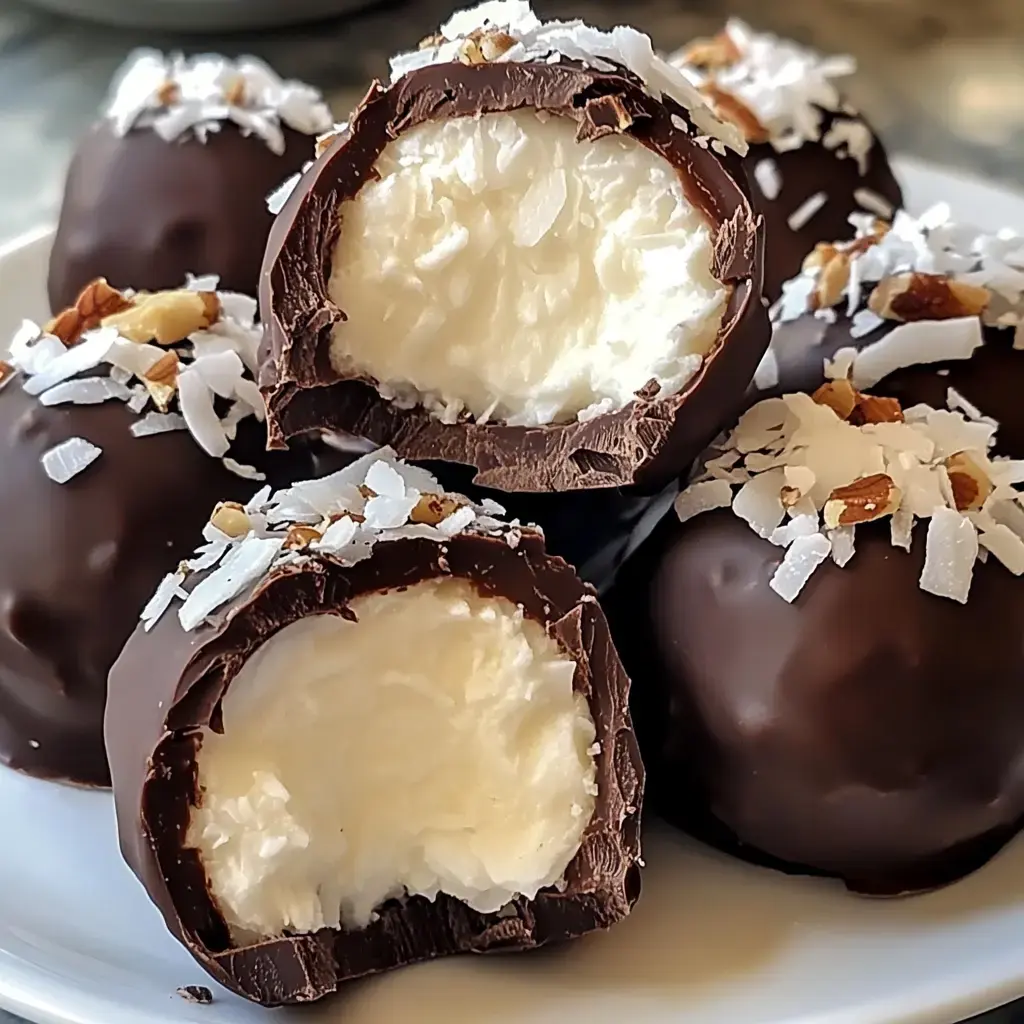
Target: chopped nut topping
x,y
971,487
231,519
915,296
431,509
712,54
839,395
431,42
834,261
166,317
872,409
730,108
95,302
6,372
481,46
234,94
849,404
869,498
161,380
168,93
300,536
789,496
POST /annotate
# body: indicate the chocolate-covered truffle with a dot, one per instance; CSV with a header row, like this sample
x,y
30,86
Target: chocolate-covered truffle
x,y
453,685
101,494
827,674
173,178
813,160
578,299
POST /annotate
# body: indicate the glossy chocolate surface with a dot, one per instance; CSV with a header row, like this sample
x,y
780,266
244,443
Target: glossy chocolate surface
x,y
868,730
143,212
803,173
79,560
647,443
168,684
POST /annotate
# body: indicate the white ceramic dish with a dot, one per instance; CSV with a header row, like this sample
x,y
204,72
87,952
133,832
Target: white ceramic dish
x,y
712,941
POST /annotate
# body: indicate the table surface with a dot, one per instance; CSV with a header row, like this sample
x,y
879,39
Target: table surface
x,y
941,80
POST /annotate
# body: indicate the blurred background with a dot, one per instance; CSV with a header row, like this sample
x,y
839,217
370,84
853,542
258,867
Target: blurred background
x,y
940,79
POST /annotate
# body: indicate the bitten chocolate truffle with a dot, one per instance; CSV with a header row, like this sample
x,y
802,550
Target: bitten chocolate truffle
x,y
813,160
174,176
828,672
578,303
105,483
455,684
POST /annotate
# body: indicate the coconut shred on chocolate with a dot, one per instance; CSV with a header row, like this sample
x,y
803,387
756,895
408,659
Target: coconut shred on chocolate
x,y
173,177
929,309
455,684
121,424
813,159
530,253
825,641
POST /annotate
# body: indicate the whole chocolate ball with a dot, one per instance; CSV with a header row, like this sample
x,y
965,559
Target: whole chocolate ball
x,y
78,562
801,175
143,212
867,730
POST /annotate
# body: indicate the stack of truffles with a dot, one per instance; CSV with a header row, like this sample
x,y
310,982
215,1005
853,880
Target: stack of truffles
x,y
551,327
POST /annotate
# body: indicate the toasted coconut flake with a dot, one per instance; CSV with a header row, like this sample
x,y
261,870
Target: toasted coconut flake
x,y
868,199
702,497
803,556
759,502
766,376
901,529
840,366
950,553
66,460
158,423
839,395
799,526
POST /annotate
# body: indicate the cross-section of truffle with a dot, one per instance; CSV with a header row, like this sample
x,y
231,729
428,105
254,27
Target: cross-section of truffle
x,y
173,177
121,424
824,637
813,160
529,253
372,724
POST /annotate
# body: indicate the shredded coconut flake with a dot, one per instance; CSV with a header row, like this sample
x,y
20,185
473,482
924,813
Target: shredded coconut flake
x,y
803,556
804,213
371,501
768,178
950,553
174,95
552,40
788,87
67,459
158,423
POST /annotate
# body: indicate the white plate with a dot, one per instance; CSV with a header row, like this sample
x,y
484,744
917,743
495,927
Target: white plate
x,y
712,941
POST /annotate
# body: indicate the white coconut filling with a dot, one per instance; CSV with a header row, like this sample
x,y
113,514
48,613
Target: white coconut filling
x,y
436,745
501,268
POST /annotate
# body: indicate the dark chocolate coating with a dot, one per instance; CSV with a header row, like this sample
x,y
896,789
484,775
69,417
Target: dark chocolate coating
x,y
803,173
868,730
143,212
79,560
650,441
167,684
991,379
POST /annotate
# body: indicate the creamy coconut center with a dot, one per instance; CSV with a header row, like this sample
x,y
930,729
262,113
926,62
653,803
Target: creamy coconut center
x,y
500,267
436,745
